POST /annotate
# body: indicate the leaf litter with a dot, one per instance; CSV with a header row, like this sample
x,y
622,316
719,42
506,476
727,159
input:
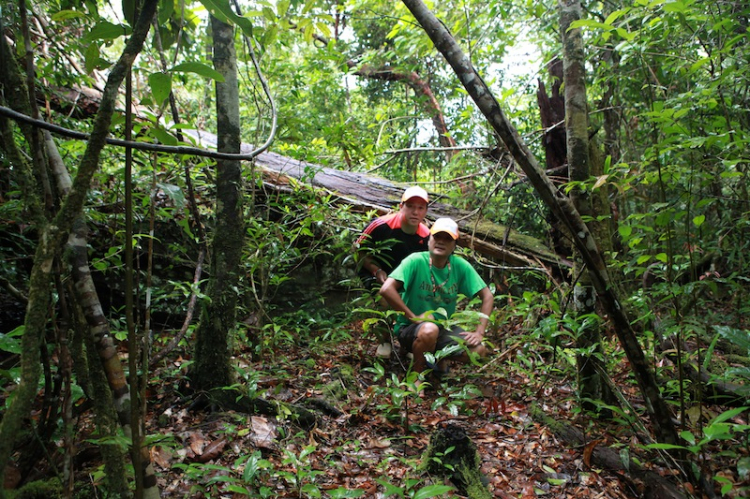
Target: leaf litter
x,y
376,445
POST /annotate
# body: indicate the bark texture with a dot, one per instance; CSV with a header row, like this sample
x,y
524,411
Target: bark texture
x,y
591,367
212,367
561,206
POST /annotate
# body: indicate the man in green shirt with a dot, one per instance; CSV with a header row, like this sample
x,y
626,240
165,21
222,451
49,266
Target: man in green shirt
x,y
427,281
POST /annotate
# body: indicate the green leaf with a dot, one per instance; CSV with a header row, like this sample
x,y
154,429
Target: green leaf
x,y
17,332
589,23
698,221
163,136
390,489
282,7
10,344
625,230
676,7
664,446
221,10
105,30
161,86
251,468
688,437
342,493
726,415
64,15
432,491
739,337
174,192
312,490
199,69
128,11
166,9
662,257
91,58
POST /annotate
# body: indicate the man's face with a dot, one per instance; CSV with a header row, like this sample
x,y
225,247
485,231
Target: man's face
x,y
414,211
441,244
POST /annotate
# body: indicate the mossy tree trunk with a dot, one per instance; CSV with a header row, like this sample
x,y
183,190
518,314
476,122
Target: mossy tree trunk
x,y
590,359
212,367
52,235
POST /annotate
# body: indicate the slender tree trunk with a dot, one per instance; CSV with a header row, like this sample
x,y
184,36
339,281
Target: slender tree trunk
x,y
552,114
591,367
92,378
560,205
423,89
212,367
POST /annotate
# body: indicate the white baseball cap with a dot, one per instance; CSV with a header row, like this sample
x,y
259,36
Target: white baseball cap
x,y
415,192
445,225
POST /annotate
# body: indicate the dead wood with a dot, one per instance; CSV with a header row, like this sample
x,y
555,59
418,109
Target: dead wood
x,y
649,484
323,406
708,387
453,455
498,243
236,399
370,193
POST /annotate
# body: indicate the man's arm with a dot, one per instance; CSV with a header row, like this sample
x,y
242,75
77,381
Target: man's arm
x,y
390,291
488,303
369,236
373,268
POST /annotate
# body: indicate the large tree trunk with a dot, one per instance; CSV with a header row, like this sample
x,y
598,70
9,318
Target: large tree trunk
x,y
561,206
52,237
591,367
212,367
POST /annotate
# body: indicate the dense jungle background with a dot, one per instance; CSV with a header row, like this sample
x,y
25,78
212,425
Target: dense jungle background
x,y
180,313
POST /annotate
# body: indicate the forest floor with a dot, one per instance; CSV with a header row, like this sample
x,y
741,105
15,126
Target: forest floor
x,y
374,447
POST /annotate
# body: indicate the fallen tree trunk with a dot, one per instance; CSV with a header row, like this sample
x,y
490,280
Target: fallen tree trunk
x,y
370,193
708,386
498,243
649,484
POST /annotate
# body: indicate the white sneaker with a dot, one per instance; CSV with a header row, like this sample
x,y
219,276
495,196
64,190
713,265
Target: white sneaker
x,y
384,350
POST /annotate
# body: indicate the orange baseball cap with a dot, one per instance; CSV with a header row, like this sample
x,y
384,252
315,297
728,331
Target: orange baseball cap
x,y
445,225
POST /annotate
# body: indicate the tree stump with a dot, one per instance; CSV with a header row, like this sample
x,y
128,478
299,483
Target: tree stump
x,y
452,454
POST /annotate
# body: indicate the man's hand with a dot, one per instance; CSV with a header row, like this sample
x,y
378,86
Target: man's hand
x,y
380,276
473,339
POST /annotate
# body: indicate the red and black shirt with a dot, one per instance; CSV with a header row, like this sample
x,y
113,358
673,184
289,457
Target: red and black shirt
x,y
385,242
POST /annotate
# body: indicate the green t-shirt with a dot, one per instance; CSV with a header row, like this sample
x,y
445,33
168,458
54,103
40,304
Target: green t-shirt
x,y
422,293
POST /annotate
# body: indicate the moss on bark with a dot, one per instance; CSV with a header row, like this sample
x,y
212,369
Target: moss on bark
x,y
453,455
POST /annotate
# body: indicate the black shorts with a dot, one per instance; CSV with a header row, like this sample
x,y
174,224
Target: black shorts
x,y
446,337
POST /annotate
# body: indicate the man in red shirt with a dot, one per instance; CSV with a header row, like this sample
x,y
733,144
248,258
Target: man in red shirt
x,y
388,240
